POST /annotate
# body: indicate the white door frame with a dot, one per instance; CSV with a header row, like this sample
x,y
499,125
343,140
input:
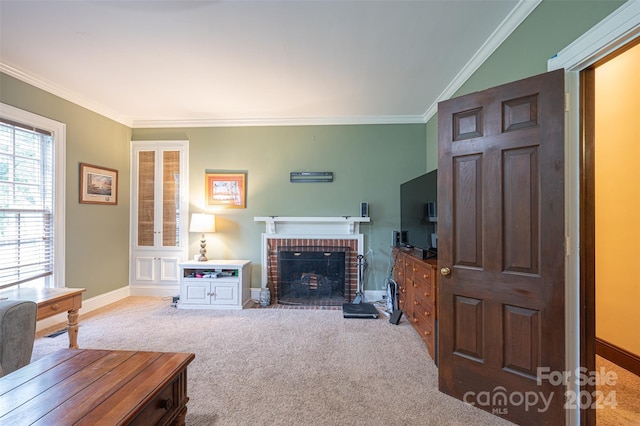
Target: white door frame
x,y
613,32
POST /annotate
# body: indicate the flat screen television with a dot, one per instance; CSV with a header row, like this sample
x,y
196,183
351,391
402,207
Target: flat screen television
x,y
418,213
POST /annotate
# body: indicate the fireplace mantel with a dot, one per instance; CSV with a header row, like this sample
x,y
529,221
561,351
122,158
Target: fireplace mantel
x,y
334,225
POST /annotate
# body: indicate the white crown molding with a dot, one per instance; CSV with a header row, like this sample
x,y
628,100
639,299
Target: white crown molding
x,y
616,30
64,94
504,30
253,122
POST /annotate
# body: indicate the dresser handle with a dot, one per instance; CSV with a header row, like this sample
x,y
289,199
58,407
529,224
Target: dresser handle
x,y
55,307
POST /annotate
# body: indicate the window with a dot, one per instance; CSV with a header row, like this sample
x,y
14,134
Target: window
x,y
31,199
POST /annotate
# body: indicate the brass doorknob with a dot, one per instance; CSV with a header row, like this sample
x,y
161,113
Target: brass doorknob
x,y
445,271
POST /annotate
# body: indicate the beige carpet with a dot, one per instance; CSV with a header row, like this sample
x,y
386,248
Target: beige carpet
x,y
284,367
624,391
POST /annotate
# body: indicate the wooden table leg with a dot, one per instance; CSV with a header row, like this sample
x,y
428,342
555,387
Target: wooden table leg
x,y
72,328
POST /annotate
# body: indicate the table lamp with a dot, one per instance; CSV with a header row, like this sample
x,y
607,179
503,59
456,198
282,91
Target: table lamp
x,y
202,222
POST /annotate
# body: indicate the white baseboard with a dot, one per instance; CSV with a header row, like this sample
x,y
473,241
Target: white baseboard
x,y
87,306
154,290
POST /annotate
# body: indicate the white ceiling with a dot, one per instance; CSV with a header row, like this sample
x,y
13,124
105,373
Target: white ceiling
x,y
174,63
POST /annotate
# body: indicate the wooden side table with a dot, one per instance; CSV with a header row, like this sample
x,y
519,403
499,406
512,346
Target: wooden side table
x,y
52,301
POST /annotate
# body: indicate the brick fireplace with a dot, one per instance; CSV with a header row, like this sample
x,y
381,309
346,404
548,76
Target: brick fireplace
x,y
338,237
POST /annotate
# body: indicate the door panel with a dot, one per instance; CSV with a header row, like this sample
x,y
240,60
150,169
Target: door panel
x,y
468,211
468,326
501,234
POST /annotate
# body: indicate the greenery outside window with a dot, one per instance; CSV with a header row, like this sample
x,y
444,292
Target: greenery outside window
x,y
31,200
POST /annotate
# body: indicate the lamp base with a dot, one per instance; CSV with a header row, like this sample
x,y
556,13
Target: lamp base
x,y
203,250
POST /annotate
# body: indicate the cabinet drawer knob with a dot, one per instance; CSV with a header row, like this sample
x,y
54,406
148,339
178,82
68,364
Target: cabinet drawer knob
x,y
166,404
55,307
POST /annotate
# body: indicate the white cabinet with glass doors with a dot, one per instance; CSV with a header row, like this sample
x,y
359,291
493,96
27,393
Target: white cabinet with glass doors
x,y
159,210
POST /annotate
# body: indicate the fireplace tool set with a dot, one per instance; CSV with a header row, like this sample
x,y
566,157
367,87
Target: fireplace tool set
x,y
360,309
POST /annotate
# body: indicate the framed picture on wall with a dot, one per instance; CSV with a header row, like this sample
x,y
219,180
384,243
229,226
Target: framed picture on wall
x,y
226,189
98,185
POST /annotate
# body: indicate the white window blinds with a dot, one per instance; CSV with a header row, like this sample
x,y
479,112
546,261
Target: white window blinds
x,y
26,203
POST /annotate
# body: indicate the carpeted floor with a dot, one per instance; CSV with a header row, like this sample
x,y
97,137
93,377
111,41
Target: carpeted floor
x,y
298,366
623,392
283,366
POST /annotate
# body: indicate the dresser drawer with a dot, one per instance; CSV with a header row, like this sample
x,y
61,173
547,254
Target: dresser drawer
x,y
425,311
165,406
422,273
424,328
424,295
402,298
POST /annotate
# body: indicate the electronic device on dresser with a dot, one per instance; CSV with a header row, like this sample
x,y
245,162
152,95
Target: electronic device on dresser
x,y
418,215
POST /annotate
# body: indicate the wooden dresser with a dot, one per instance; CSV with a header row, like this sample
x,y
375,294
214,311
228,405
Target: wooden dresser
x,y
417,294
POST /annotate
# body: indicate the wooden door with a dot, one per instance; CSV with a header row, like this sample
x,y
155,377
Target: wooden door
x,y
501,249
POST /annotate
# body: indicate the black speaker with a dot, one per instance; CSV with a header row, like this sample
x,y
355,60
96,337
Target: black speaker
x,y
364,209
395,317
431,210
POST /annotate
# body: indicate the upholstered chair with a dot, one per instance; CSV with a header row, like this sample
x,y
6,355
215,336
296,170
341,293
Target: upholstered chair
x,y
17,333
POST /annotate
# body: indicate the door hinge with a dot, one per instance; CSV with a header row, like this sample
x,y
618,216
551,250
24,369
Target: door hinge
x,y
567,246
567,102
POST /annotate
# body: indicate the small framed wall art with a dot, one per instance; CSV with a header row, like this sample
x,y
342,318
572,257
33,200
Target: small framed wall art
x,y
98,185
226,189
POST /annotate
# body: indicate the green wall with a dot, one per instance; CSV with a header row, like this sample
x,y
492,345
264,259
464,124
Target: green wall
x,y
97,237
369,163
551,27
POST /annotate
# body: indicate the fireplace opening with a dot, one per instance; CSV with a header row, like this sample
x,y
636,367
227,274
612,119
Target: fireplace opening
x,y
312,276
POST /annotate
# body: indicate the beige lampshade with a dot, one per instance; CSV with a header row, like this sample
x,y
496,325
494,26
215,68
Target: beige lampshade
x,y
202,222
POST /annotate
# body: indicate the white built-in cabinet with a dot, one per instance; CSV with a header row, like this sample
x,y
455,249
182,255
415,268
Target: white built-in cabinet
x,y
159,210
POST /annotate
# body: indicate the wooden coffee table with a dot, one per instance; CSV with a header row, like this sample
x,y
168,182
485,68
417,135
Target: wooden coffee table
x,y
90,387
52,301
